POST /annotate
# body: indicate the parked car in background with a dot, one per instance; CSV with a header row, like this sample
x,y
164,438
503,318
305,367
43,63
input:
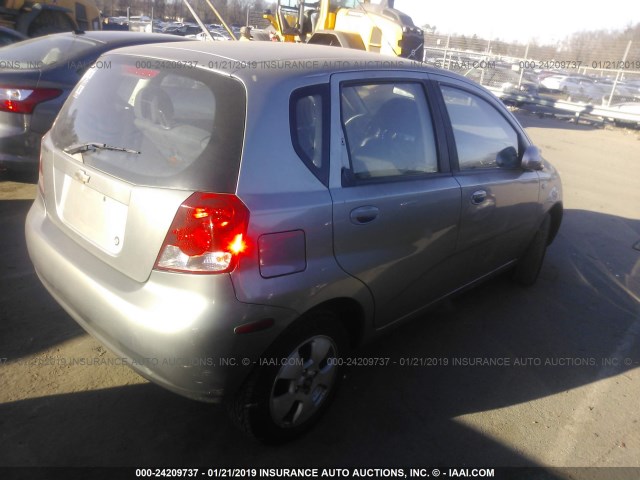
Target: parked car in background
x,y
621,91
115,23
167,230
37,75
173,29
503,79
9,36
634,85
203,37
192,29
554,82
576,88
179,28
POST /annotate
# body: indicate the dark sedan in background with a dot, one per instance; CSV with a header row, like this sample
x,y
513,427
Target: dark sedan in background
x,y
9,36
36,77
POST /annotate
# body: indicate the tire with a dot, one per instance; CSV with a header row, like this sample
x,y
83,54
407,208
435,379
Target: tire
x,y
279,402
528,267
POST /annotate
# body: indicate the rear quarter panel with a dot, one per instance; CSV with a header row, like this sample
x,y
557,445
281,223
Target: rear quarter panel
x,y
282,194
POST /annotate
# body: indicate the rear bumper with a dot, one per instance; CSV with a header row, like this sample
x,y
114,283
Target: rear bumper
x,y
176,330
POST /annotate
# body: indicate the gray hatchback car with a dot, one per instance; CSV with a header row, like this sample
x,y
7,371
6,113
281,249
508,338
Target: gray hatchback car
x,y
232,218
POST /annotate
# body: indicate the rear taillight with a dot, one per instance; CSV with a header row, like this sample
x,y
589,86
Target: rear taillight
x,y
208,234
24,100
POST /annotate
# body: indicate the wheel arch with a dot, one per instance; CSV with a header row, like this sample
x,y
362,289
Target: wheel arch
x,y
350,314
556,213
251,405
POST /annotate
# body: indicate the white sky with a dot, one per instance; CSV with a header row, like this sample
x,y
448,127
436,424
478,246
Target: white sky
x,y
546,20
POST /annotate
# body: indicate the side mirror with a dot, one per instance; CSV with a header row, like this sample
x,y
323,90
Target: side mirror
x,y
531,159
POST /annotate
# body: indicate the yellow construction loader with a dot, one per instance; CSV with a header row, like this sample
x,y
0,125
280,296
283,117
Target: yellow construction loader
x,y
370,25
49,16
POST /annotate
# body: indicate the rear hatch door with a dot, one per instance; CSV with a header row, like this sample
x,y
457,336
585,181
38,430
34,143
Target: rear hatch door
x,y
130,145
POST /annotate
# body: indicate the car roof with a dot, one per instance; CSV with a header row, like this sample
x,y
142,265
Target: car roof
x,y
117,36
249,60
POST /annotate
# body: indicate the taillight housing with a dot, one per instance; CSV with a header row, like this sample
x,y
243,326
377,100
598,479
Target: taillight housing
x,y
208,235
24,100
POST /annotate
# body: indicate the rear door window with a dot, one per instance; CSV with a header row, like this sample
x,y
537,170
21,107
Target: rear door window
x,y
186,123
388,129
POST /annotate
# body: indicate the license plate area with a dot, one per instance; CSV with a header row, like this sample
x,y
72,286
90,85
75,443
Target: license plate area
x,y
93,215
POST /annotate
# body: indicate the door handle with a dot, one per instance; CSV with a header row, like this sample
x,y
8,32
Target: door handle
x,y
478,197
362,215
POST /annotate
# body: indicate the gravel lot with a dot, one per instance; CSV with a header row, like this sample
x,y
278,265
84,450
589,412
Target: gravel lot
x,y
567,398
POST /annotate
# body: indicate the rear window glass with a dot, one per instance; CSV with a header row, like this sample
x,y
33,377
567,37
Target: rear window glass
x,y
309,112
42,52
186,123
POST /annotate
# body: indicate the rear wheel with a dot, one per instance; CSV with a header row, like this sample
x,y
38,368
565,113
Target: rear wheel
x,y
295,382
528,267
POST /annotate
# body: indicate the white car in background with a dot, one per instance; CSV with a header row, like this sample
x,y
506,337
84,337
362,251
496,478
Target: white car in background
x,y
203,37
576,87
623,91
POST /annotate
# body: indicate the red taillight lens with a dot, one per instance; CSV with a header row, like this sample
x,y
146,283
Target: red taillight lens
x,y
140,72
24,100
207,235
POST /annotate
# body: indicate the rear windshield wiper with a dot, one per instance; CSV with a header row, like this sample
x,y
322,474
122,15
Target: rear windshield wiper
x,y
93,146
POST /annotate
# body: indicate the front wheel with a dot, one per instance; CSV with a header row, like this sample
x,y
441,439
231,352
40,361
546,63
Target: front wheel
x,y
295,381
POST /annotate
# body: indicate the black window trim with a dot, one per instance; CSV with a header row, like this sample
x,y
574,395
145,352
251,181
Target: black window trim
x,y
442,157
324,91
